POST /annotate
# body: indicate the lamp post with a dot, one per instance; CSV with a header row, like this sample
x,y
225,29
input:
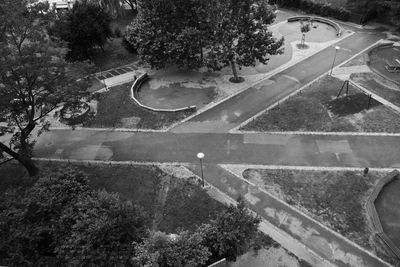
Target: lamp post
x,y
334,58
200,156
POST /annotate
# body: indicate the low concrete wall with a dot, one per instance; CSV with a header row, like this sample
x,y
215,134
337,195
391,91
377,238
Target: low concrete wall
x,y
374,218
220,263
135,88
337,27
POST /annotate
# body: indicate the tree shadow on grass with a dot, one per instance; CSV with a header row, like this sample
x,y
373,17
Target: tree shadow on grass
x,y
351,104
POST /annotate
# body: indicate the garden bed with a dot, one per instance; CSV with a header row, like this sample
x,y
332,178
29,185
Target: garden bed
x,y
183,205
116,109
337,199
317,108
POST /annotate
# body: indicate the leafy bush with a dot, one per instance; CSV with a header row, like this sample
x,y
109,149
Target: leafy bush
x,y
117,32
322,9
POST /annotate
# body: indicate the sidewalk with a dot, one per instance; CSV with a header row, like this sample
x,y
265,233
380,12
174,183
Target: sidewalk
x,y
324,242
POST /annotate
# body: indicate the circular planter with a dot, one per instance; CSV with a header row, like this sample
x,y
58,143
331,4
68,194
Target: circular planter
x,y
71,116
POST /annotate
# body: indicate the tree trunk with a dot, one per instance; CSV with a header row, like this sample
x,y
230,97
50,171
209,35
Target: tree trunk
x,y
24,160
234,71
24,136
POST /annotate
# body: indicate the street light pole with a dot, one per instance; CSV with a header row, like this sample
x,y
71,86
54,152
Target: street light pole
x,y
200,156
334,58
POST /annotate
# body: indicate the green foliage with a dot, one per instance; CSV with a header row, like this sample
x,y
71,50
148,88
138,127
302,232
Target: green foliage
x,y
83,27
320,8
60,220
184,249
231,233
229,31
242,36
34,77
172,32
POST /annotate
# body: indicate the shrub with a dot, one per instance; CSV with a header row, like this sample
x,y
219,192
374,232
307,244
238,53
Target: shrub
x,y
117,32
316,8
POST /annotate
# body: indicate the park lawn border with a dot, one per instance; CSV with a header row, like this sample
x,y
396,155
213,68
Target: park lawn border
x,y
236,129
272,190
311,111
183,173
143,184
116,104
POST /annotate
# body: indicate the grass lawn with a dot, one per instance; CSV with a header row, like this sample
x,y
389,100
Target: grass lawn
x,y
171,202
116,109
379,86
334,198
318,109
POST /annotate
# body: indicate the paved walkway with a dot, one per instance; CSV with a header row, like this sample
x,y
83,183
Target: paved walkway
x,y
324,242
249,148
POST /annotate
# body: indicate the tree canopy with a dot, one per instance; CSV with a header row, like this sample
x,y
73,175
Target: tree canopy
x,y
61,220
84,27
34,77
212,33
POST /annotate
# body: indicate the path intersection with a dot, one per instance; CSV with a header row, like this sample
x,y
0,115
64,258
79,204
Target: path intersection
x,y
210,132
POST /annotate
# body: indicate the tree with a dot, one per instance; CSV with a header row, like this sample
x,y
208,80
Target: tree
x,y
304,28
173,32
185,249
34,77
231,32
231,233
112,7
83,27
242,37
61,221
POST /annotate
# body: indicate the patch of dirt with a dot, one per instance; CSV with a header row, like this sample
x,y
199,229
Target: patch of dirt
x,y
130,122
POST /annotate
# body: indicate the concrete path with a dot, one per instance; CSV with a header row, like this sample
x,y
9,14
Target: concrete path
x,y
325,243
248,148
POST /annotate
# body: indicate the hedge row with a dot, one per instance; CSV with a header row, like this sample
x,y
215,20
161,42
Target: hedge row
x,y
315,8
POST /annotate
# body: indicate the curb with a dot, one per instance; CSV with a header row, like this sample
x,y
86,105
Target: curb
x,y
304,168
361,134
79,128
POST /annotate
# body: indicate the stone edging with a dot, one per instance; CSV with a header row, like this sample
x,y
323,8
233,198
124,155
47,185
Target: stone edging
x,y
218,263
319,19
135,88
373,214
77,119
